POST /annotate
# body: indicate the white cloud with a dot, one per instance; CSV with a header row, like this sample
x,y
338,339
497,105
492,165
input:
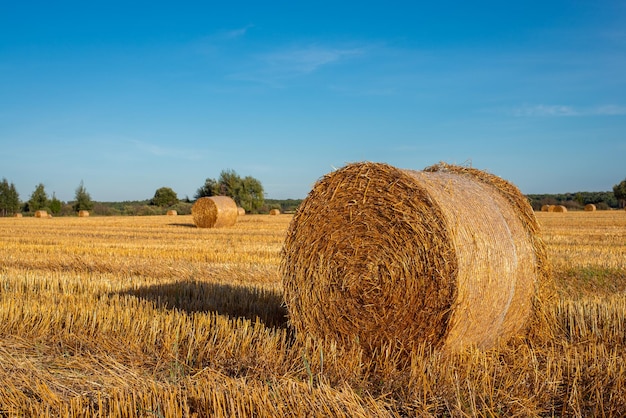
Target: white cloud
x,y
274,67
543,110
308,59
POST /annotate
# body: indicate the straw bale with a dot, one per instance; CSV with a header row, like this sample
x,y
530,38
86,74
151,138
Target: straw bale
x,y
449,256
241,211
559,208
172,212
17,215
41,214
590,207
83,213
275,212
214,212
546,208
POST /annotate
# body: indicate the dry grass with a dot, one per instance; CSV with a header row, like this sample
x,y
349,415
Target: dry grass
x,y
151,316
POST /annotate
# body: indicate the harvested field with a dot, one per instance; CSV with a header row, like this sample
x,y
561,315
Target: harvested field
x,y
151,316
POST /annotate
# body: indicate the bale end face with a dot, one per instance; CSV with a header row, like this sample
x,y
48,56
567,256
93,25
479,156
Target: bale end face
x,y
214,212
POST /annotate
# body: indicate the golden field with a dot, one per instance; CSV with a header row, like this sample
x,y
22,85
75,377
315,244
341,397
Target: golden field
x,y
152,317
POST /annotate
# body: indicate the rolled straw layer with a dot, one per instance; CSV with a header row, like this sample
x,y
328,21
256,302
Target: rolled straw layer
x,y
214,212
383,256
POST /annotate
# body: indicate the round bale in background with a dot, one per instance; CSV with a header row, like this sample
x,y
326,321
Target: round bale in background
x,y
83,213
41,214
275,212
558,208
590,207
241,211
449,256
172,212
214,212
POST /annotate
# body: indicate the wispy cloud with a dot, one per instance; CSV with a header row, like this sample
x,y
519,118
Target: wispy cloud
x,y
308,59
543,110
279,65
232,33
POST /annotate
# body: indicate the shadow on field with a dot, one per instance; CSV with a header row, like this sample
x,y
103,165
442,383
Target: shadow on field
x,y
185,225
224,299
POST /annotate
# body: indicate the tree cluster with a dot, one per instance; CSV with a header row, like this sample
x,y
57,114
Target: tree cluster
x,y
619,190
247,192
574,201
9,199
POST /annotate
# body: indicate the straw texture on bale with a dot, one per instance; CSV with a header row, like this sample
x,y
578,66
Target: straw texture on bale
x,y
41,214
558,208
448,256
172,212
590,207
275,212
83,213
214,212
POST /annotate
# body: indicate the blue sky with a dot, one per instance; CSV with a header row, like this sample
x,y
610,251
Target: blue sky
x,y
129,97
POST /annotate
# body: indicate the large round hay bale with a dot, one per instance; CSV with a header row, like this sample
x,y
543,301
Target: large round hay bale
x,y
214,212
41,214
172,212
559,208
83,213
448,256
590,207
275,212
546,208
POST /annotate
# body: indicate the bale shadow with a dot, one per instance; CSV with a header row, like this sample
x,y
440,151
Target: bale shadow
x,y
235,301
187,225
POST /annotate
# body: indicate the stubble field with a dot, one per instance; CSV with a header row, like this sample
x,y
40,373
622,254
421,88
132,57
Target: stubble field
x,y
152,317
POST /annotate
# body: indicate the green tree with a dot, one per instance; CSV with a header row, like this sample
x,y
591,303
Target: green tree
x,y
55,204
247,192
619,190
251,194
39,199
164,197
9,198
229,184
209,188
82,199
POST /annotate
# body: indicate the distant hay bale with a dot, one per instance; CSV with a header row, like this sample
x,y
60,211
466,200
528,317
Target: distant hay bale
x,y
450,256
172,212
83,213
546,208
41,214
275,212
241,211
214,212
590,207
17,215
559,208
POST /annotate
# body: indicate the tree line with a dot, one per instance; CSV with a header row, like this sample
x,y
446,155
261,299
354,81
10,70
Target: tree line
x,y
247,192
